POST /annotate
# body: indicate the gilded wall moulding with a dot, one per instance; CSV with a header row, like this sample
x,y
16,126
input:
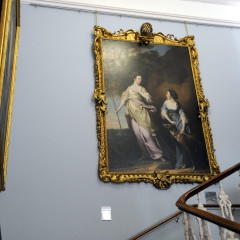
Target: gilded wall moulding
x,y
9,36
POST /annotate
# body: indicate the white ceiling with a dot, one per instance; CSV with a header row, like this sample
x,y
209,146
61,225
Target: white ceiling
x,y
212,12
219,2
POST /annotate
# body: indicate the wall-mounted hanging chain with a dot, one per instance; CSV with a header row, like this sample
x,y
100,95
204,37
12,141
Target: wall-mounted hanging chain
x,y
96,18
186,27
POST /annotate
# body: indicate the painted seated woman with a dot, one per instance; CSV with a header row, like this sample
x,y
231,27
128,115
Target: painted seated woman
x,y
177,124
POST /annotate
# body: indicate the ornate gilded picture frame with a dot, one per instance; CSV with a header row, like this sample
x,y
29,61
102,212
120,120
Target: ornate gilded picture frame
x,y
152,115
9,35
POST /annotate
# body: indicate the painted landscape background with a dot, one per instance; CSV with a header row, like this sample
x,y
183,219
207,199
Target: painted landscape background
x,y
162,67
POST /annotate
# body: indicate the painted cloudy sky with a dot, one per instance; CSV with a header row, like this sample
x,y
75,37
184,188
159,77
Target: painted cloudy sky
x,y
161,67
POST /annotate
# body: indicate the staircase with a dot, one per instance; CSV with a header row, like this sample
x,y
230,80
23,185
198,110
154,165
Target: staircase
x,y
200,221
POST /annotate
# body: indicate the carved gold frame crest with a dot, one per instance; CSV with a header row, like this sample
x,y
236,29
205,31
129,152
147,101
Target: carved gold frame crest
x,y
161,178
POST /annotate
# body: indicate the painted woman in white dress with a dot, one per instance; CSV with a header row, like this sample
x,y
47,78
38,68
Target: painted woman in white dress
x,y
138,103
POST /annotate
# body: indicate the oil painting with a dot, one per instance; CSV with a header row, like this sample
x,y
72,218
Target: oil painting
x,y
151,111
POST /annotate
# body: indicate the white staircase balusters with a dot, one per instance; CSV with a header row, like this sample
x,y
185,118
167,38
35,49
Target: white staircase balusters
x,y
204,228
188,229
226,210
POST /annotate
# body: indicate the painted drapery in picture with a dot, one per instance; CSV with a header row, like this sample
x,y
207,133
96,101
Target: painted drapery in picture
x,y
152,119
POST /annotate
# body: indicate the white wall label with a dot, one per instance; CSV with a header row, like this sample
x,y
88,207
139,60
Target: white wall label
x,y
106,213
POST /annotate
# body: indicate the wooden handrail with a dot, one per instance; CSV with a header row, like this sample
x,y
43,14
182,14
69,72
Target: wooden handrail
x,y
223,222
156,225
176,214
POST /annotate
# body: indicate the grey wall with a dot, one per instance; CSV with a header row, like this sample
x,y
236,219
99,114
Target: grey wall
x,y
53,190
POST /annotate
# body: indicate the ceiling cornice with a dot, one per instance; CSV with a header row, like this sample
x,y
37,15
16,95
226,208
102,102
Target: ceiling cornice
x,y
200,12
218,2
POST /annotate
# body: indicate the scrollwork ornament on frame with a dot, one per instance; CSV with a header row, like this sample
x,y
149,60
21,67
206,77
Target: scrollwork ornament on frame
x,y
162,180
100,98
152,115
